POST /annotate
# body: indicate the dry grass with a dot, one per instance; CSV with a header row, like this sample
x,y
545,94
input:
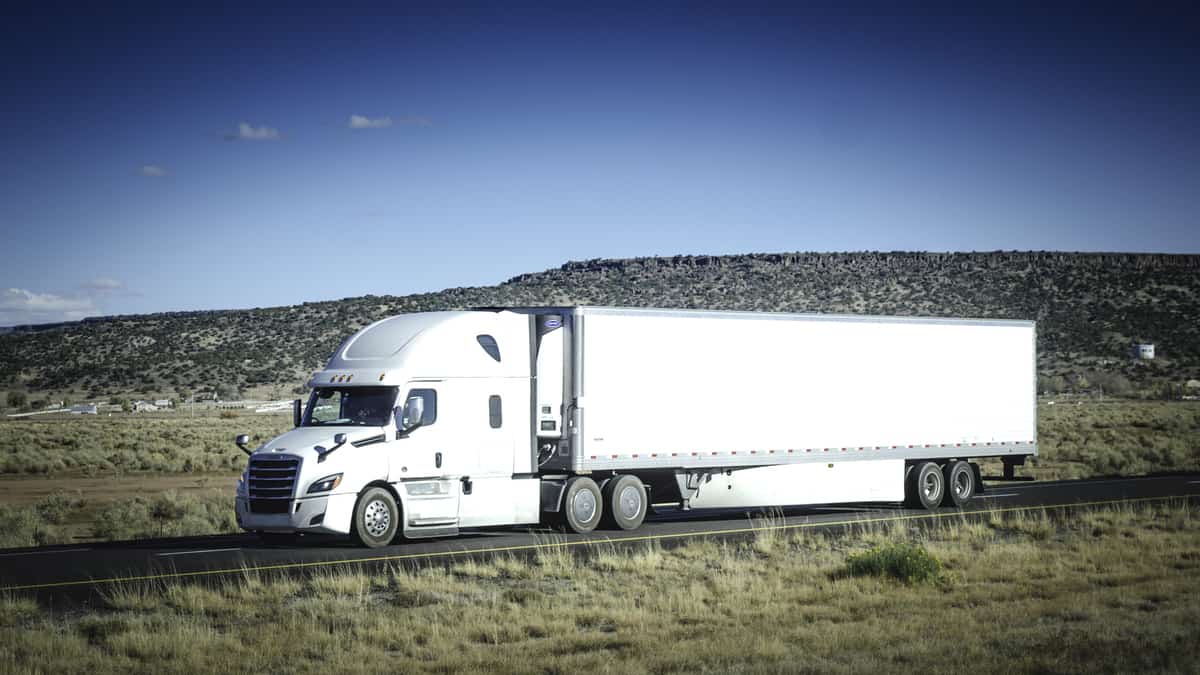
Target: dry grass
x,y
63,518
1112,590
1083,438
86,445
107,459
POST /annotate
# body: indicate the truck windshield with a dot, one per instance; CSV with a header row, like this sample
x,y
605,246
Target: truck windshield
x,y
350,406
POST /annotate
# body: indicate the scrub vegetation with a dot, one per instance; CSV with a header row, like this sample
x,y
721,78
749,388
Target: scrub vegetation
x,y
90,445
1111,590
63,518
1090,309
192,463
1083,438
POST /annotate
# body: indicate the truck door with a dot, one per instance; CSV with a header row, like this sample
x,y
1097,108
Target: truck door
x,y
499,421
420,463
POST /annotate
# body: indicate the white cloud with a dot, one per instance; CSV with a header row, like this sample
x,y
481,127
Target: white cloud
x,y
362,122
153,171
248,132
103,284
19,306
415,121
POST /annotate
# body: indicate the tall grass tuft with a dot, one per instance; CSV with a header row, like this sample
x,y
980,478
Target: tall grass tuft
x,y
909,563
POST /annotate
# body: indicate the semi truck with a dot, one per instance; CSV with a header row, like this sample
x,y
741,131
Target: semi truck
x,y
423,424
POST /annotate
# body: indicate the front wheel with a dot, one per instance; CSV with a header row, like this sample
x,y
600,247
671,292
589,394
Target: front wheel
x,y
376,518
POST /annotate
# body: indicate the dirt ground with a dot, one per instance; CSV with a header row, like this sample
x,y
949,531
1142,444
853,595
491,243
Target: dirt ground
x,y
20,490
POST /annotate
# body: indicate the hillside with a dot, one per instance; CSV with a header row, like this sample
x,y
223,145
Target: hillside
x,y
1089,307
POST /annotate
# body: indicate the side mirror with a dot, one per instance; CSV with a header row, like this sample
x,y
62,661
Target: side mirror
x,y
241,441
338,441
297,413
410,417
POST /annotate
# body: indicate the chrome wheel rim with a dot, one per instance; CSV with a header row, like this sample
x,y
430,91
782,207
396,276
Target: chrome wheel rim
x,y
377,517
629,503
583,506
962,484
930,486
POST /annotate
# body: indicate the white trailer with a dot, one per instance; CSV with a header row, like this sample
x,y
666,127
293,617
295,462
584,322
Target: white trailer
x,y
422,424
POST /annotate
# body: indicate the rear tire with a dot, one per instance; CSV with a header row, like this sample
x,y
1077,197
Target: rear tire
x,y
624,502
376,518
960,483
925,487
582,505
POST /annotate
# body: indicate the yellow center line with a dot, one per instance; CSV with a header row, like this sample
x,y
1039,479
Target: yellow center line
x,y
583,542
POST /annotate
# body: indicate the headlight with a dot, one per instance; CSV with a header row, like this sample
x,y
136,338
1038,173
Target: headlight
x,y
325,484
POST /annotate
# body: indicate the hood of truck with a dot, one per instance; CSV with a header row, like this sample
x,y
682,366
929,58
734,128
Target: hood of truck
x,y
303,441
358,465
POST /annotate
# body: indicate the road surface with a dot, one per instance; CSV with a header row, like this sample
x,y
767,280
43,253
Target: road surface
x,y
71,571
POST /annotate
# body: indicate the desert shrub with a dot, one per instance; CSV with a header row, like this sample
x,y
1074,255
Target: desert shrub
x,y
166,515
39,524
909,563
57,508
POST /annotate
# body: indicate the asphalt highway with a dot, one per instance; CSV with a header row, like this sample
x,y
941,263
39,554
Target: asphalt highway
x,y
65,571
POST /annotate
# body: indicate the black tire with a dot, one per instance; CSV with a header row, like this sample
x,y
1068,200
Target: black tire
x,y
376,518
960,483
582,505
925,486
624,502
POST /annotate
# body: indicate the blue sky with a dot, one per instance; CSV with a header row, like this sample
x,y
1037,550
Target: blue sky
x,y
255,155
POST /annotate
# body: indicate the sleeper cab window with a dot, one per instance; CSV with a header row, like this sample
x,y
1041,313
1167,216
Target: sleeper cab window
x,y
494,416
429,415
489,345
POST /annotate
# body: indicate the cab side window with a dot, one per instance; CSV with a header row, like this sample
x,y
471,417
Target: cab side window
x,y
495,418
429,396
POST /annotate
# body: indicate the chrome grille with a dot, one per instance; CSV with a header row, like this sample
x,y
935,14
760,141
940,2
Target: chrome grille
x,y
272,482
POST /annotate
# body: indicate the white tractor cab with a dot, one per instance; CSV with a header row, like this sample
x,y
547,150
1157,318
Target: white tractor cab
x,y
418,425
422,424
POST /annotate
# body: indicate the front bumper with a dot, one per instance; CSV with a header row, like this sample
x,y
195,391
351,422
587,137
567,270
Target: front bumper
x,y
326,514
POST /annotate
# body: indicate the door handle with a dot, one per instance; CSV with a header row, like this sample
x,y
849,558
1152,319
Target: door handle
x,y
437,459
466,485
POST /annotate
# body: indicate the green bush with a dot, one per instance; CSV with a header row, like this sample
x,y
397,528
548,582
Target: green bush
x,y
41,523
909,563
166,515
57,508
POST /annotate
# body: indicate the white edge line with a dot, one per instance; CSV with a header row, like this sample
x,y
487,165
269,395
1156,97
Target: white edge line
x,y
210,550
65,550
988,495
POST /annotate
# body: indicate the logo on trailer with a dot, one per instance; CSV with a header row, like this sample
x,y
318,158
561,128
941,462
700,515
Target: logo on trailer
x,y
553,323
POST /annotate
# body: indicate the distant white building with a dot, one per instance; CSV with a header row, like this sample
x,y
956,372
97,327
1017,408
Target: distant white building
x,y
163,403
144,406
1143,350
85,409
